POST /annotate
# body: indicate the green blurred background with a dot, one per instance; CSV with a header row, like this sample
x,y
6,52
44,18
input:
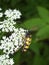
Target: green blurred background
x,y
35,13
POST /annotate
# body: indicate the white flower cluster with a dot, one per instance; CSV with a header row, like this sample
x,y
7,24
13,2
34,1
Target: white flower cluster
x,y
13,14
8,24
12,43
5,60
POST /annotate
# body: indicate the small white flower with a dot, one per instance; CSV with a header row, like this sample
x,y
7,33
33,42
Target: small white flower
x,y
1,26
4,37
1,14
8,13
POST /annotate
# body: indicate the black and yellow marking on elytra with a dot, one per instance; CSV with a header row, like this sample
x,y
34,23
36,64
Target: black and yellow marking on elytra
x,y
27,42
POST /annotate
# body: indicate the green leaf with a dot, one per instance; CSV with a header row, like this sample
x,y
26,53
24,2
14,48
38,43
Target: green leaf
x,y
33,22
43,12
43,33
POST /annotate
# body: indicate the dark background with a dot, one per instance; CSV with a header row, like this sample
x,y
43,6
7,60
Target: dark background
x,y
35,14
